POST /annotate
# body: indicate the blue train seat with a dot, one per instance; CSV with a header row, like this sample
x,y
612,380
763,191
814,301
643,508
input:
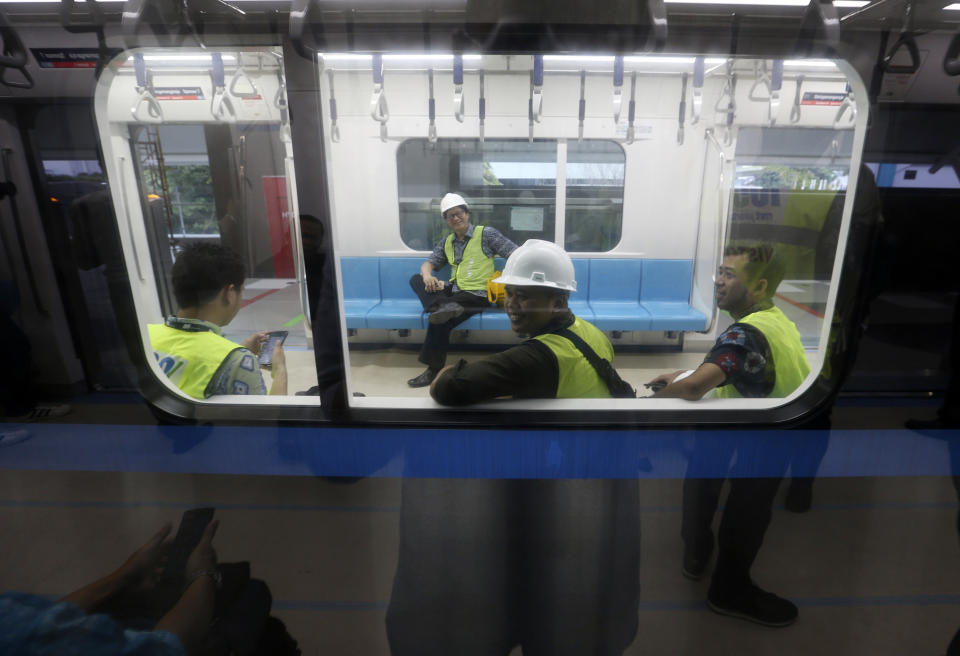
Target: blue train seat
x,y
613,294
665,295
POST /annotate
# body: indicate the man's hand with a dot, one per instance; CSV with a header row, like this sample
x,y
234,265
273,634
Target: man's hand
x,y
204,556
432,284
255,342
663,380
278,372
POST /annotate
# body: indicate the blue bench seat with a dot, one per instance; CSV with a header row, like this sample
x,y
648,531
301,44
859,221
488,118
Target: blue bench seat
x,y
613,294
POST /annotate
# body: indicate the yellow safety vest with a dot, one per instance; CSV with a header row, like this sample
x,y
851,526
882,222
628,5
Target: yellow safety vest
x,y
189,359
789,359
475,268
578,379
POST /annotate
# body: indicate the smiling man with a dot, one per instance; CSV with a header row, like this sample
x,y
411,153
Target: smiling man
x,y
759,356
539,277
469,250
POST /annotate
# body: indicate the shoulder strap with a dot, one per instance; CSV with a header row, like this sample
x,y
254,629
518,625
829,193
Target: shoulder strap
x,y
619,388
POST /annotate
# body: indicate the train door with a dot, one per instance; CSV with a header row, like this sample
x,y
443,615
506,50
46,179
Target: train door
x,y
199,144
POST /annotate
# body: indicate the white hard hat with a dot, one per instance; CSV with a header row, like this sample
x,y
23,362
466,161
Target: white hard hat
x,y
450,201
539,263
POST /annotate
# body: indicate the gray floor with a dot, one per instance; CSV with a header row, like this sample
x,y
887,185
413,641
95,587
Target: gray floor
x,y
873,566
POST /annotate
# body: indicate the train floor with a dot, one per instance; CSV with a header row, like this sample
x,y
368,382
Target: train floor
x,y
874,565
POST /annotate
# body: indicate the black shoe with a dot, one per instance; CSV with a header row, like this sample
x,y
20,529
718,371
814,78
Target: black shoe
x,y
446,312
695,561
423,379
755,605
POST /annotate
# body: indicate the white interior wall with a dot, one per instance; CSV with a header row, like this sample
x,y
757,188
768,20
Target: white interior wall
x,y
662,190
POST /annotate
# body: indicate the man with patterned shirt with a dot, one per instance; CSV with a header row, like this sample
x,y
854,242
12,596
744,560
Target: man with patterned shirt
x,y
190,347
469,250
759,356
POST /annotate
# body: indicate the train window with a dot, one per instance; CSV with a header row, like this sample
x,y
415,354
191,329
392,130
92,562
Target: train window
x,y
197,146
648,207
512,186
594,198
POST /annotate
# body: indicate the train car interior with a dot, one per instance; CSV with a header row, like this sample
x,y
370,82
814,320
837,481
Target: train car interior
x,y
313,147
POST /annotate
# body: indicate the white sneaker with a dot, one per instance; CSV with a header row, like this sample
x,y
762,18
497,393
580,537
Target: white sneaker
x,y
43,411
14,436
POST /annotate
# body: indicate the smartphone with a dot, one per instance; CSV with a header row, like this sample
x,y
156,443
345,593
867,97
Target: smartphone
x,y
192,525
274,339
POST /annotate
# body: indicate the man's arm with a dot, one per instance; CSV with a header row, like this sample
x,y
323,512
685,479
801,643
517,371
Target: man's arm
x,y
430,282
528,370
693,387
278,372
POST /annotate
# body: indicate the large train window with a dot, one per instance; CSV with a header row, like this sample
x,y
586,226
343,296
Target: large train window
x,y
589,152
513,187
197,145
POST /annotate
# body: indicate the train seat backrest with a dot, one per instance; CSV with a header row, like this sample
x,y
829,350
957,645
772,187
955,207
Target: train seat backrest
x,y
665,294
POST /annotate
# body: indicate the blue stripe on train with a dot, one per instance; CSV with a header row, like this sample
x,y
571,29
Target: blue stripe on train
x,y
468,453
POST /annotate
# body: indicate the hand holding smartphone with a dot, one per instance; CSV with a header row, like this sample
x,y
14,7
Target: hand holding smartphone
x,y
275,338
192,525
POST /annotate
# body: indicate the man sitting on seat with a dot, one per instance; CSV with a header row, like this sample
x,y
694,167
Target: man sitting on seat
x,y
469,251
192,352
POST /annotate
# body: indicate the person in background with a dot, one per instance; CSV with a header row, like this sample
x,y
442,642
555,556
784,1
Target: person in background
x,y
759,356
32,625
469,251
192,352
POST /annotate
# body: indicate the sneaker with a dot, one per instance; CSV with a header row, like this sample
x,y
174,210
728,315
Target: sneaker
x,y
423,379
43,411
755,605
446,312
695,561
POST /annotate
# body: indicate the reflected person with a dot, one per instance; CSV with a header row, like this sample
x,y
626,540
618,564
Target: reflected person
x,y
551,565
759,356
190,347
469,250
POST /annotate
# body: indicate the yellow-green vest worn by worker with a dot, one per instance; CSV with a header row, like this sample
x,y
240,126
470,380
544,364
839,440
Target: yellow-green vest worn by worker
x,y
789,360
475,268
578,379
189,358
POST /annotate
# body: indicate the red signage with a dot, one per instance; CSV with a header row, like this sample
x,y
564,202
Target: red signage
x,y
278,218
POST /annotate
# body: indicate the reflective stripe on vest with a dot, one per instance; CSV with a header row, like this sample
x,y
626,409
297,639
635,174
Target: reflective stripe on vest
x,y
475,267
789,359
578,379
189,359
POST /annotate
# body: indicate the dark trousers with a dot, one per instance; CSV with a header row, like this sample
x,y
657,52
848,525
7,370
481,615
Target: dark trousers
x,y
754,479
16,395
435,345
485,565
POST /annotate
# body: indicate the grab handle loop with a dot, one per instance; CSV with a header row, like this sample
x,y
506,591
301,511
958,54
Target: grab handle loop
x,y
582,111
683,108
537,88
908,41
797,100
848,104
632,108
617,87
458,87
13,56
951,60
145,90
378,101
698,75
820,15
530,110
776,84
334,128
762,80
221,101
431,111
729,94
483,107
240,76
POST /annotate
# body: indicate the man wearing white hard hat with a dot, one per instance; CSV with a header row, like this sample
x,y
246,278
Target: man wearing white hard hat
x,y
551,566
469,250
566,356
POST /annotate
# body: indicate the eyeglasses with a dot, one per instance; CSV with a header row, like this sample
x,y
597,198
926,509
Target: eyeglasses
x,y
456,214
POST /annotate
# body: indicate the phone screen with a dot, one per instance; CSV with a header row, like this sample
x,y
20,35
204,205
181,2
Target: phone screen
x,y
274,339
192,525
